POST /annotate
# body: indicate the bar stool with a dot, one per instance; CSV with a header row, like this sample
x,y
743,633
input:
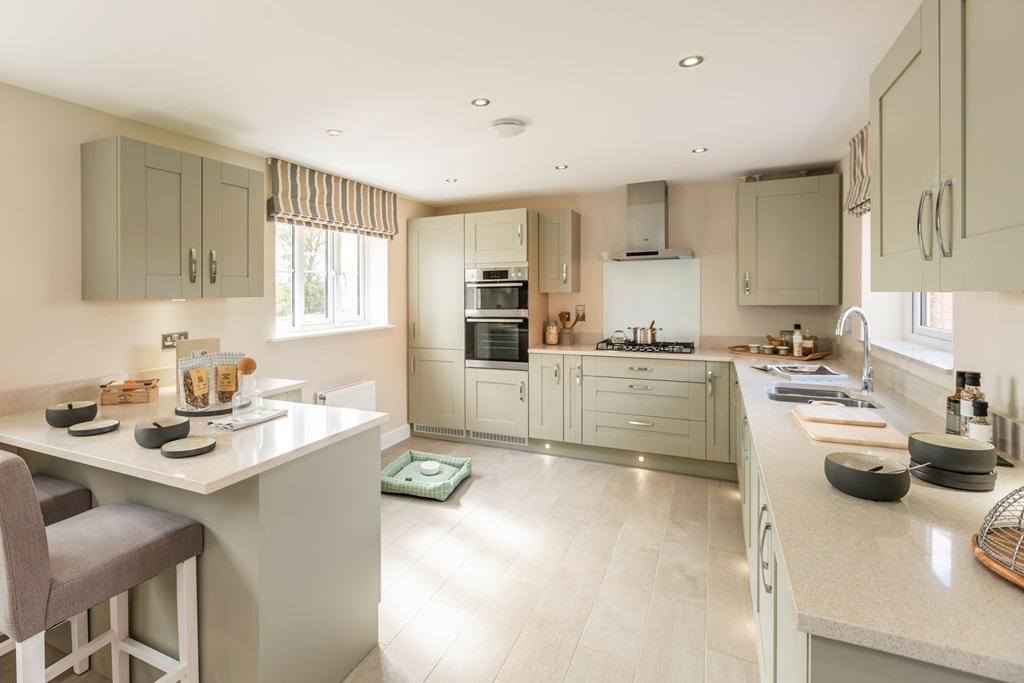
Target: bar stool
x,y
50,574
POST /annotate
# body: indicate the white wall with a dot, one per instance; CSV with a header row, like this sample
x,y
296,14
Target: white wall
x,y
51,336
988,334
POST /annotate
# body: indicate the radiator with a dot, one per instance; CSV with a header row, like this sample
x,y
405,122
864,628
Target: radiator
x,y
360,396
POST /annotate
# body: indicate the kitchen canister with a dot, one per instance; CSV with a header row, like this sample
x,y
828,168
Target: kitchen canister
x,y
551,333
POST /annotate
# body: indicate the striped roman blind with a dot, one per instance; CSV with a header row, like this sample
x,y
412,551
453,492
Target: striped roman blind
x,y
303,196
858,199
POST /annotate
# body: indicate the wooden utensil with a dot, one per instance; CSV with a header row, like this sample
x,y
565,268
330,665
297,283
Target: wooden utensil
x,y
862,417
881,437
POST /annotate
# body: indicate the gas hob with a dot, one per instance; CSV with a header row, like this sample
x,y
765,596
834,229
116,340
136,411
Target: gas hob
x,y
656,347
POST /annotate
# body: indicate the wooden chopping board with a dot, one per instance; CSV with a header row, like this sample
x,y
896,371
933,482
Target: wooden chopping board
x,y
863,417
883,437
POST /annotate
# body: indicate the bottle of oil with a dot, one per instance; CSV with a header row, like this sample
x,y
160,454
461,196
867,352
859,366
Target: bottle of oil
x,y
953,405
970,393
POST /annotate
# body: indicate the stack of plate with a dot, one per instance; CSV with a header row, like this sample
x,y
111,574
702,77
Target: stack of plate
x,y
953,461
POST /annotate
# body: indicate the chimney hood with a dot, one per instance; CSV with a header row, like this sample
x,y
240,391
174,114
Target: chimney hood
x,y
647,224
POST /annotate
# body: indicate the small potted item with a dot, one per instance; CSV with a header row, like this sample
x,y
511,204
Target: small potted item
x,y
64,415
769,349
155,433
783,350
754,348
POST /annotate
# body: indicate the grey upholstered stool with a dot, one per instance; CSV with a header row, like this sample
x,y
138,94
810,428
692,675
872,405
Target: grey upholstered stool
x,y
50,574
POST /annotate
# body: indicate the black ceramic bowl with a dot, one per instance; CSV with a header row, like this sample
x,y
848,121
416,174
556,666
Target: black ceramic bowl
x,y
867,476
66,414
155,433
952,453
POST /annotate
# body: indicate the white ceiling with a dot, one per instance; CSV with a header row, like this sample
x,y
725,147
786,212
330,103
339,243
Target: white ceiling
x,y
785,82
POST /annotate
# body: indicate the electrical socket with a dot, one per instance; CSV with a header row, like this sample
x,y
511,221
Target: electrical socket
x,y
169,340
581,312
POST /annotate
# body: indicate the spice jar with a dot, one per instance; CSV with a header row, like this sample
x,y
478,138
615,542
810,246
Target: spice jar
x,y
980,427
971,393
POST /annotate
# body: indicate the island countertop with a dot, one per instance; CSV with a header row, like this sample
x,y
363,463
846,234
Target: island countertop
x,y
237,456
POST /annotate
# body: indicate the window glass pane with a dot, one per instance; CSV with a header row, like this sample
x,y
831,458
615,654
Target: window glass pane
x,y
347,275
283,300
283,247
937,310
314,280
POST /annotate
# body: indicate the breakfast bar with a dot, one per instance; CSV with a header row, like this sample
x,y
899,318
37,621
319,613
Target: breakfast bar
x,y
289,580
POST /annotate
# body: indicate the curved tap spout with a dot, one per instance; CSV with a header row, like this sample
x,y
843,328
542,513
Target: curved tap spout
x,y
867,378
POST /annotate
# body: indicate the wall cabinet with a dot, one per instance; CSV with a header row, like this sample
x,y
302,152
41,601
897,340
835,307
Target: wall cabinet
x,y
158,223
559,251
436,391
436,282
945,146
788,244
497,405
497,237
717,420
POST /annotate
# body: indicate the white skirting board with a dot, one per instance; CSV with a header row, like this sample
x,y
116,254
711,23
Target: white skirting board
x,y
399,434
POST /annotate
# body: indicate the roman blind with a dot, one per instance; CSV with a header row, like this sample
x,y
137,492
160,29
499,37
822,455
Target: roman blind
x,y
858,198
304,196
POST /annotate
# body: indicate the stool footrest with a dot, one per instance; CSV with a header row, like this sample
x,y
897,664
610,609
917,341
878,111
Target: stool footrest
x,y
68,661
168,665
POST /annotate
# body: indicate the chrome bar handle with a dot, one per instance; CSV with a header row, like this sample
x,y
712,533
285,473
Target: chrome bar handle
x,y
763,563
519,233
640,423
746,283
213,266
556,373
565,273
522,391
641,387
927,192
579,375
711,383
640,368
414,329
946,253
193,264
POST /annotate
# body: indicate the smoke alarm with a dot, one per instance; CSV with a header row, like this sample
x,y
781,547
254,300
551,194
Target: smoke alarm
x,y
508,128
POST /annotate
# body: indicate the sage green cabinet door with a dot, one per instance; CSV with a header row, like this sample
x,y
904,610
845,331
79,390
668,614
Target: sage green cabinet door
x,y
495,237
790,643
559,251
233,226
436,386
981,158
717,419
547,381
436,282
572,415
735,400
904,151
497,404
765,576
788,242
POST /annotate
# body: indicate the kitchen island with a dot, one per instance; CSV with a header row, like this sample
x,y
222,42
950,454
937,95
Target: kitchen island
x,y
289,580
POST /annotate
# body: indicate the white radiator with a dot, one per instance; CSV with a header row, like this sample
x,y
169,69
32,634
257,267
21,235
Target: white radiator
x,y
360,396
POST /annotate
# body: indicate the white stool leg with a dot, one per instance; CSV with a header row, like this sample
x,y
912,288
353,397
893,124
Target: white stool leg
x,y
79,637
119,630
188,619
30,657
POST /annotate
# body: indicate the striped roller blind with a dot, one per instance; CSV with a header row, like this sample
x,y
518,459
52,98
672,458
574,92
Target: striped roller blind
x,y
303,196
858,199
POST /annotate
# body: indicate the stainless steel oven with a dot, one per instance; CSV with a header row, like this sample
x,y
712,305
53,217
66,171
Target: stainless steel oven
x,y
497,343
499,292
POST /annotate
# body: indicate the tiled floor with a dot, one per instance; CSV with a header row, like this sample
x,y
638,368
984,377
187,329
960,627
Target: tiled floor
x,y
542,568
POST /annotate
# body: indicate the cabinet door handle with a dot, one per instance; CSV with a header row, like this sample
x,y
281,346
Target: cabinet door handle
x,y
711,383
213,266
946,253
746,283
639,368
556,373
413,367
764,564
641,387
565,273
579,375
414,329
640,423
522,391
927,192
519,233
193,264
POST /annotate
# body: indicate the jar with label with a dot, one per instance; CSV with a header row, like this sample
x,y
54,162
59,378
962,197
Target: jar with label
x,y
953,405
970,393
798,341
550,333
980,427
809,343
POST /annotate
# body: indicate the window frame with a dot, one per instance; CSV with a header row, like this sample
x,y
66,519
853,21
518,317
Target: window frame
x,y
915,330
299,322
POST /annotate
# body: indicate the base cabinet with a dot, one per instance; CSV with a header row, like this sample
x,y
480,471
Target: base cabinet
x,y
718,414
547,396
497,405
436,391
572,400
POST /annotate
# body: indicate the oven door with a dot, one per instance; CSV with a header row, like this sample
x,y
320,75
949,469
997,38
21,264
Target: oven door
x,y
496,299
497,343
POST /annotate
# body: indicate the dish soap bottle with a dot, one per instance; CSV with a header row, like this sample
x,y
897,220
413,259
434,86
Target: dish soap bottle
x,y
953,405
248,399
971,393
979,427
798,341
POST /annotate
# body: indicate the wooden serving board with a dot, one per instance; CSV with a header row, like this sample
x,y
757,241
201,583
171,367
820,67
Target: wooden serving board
x,y
995,567
882,437
863,417
744,351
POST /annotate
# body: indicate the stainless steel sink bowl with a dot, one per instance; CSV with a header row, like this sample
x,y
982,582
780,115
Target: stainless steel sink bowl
x,y
805,394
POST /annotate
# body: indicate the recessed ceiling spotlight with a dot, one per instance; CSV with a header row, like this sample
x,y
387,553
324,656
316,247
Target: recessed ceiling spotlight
x,y
479,101
333,132
561,167
699,150
691,61
451,180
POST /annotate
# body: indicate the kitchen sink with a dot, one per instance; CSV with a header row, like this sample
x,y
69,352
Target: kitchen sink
x,y
805,394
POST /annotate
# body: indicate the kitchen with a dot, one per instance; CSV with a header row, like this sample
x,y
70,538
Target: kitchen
x,y
397,263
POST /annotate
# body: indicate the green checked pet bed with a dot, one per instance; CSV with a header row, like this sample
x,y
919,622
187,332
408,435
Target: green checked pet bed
x,y
404,476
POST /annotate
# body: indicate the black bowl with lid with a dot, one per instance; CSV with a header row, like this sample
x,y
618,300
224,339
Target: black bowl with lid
x,y
64,415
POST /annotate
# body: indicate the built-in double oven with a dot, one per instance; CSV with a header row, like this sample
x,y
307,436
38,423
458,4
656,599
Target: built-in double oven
x,y
497,317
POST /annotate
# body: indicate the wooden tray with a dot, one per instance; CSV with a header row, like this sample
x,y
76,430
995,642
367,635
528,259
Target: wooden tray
x,y
993,566
129,391
742,350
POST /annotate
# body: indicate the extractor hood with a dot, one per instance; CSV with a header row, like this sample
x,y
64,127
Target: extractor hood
x,y
647,224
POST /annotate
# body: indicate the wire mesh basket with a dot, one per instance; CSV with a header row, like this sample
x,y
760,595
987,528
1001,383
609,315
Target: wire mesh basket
x,y
1001,537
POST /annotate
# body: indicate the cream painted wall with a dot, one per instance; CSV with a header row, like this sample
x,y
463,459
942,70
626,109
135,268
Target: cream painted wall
x,y
702,216
988,333
51,336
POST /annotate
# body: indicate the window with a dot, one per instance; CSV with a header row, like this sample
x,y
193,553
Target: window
x,y
320,279
932,315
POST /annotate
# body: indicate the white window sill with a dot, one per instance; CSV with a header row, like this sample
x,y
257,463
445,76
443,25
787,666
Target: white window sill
x,y
927,355
329,332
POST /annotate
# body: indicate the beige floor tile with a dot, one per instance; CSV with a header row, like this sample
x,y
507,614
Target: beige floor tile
x,y
593,666
420,645
725,515
395,560
683,564
730,612
723,668
673,645
690,500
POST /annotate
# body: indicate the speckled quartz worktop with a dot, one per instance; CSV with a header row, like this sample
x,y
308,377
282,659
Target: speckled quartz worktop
x,y
896,577
238,455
